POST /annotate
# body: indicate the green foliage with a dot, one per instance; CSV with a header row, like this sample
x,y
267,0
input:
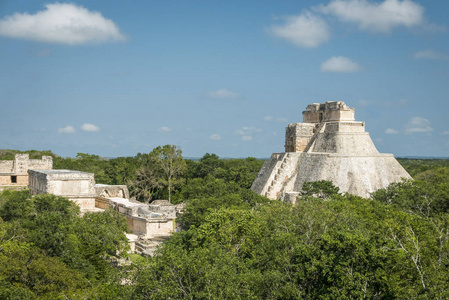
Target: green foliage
x,y
235,244
47,250
416,166
150,175
14,205
159,171
238,171
26,272
344,248
428,195
101,167
328,246
7,154
209,194
322,189
168,159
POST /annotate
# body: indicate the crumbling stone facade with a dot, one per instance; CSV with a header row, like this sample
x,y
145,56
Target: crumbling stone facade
x,y
328,145
150,223
74,185
14,173
107,191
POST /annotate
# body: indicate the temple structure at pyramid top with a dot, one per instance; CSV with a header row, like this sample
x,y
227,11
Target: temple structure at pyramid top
x,y
328,145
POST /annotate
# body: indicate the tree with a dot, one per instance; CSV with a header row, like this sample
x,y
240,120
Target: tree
x,y
146,183
169,159
322,189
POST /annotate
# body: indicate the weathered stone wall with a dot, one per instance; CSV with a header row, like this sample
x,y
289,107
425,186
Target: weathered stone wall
x,y
160,206
37,182
21,164
6,166
297,136
86,204
8,180
146,221
73,185
345,127
355,143
101,202
137,225
46,163
14,173
328,112
160,228
358,175
107,191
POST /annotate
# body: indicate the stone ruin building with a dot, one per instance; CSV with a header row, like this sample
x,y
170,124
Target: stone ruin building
x,y
74,185
328,145
150,223
14,173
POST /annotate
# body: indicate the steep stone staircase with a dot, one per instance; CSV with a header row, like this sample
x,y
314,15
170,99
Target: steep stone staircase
x,y
149,246
282,172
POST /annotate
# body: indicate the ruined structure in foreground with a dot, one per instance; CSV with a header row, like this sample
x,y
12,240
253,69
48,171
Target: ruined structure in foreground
x,y
328,145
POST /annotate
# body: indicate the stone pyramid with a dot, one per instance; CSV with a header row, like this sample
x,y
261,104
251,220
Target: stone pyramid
x,y
328,145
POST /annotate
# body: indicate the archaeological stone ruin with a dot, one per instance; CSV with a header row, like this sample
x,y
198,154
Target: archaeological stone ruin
x,y
150,224
74,185
14,173
328,145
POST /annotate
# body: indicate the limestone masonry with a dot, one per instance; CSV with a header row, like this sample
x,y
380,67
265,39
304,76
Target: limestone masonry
x,y
74,185
328,145
150,223
13,173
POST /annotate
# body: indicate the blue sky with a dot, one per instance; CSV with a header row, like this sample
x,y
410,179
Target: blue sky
x,y
115,78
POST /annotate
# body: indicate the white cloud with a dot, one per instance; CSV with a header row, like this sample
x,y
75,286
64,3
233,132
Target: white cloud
x,y
430,54
67,129
165,129
340,64
246,138
375,16
215,137
61,23
418,124
305,30
247,130
89,127
445,132
268,118
223,93
283,120
391,131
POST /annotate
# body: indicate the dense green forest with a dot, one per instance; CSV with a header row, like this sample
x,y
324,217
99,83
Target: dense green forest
x,y
235,244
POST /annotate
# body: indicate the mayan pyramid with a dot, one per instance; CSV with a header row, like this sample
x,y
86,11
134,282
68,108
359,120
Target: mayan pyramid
x,y
328,145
